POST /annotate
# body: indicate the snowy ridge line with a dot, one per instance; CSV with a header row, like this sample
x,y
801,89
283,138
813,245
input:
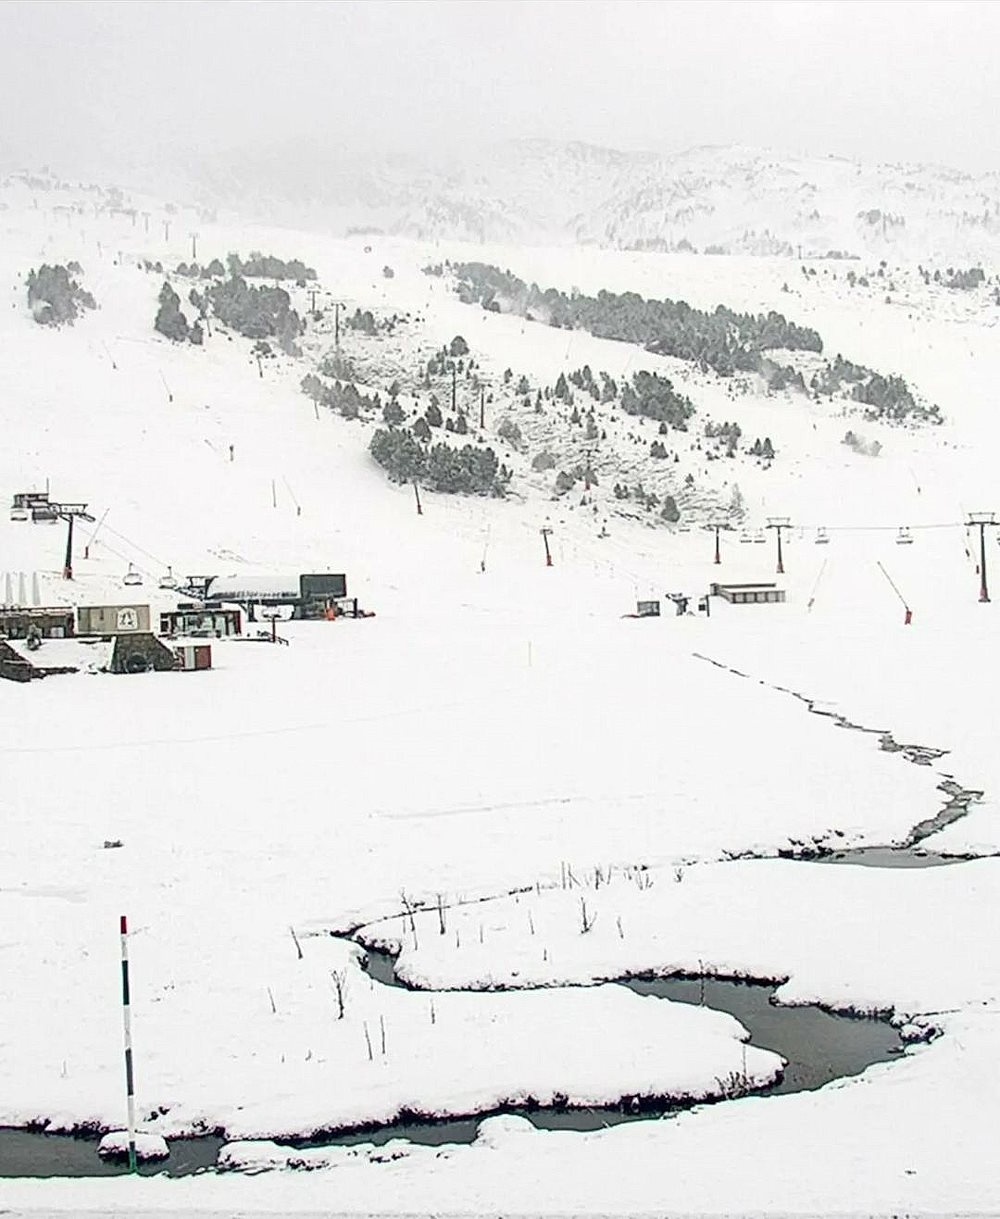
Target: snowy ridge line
x,y
959,798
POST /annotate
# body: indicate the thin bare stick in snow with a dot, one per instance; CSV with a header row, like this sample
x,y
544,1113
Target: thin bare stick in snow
x,y
409,911
298,946
339,981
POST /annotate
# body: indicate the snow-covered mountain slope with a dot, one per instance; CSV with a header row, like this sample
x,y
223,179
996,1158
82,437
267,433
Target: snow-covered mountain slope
x,y
747,201
719,199
135,393
495,718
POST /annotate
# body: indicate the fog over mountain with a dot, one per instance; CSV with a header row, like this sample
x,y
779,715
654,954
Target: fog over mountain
x,y
179,89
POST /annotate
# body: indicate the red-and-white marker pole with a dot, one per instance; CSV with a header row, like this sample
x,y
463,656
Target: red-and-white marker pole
x,y
908,613
129,1076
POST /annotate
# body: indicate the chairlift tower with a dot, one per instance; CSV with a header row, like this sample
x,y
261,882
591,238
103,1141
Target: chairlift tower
x,y
718,526
777,523
69,513
982,519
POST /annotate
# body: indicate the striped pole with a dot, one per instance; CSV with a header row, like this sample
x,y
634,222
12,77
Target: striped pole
x,y
129,1078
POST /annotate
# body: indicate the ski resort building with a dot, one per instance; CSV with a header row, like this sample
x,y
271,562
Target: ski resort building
x,y
21,662
748,594
47,623
193,656
209,619
310,595
112,619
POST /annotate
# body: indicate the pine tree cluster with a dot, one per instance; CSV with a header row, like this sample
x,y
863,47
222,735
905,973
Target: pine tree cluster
x,y
54,298
723,339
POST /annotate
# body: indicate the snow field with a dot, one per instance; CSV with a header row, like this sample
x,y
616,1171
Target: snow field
x,y
238,820
481,731
854,938
281,1061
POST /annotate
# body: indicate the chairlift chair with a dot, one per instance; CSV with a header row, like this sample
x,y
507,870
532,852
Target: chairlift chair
x,y
758,537
168,581
19,514
822,537
131,577
745,538
904,537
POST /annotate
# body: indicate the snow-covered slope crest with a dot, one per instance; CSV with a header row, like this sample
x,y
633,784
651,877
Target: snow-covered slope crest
x,y
739,200
715,198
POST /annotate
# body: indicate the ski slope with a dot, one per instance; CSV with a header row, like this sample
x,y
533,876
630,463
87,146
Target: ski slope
x,y
496,718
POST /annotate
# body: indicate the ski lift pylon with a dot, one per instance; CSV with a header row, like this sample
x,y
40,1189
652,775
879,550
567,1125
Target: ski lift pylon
x,y
132,577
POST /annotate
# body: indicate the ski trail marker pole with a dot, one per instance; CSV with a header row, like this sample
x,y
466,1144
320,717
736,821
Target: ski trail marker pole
x,y
908,613
127,1019
812,595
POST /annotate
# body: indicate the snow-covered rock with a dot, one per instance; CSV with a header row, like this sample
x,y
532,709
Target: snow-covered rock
x,y
147,1146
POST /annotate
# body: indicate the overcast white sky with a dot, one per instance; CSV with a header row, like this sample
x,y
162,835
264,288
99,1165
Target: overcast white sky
x,y
84,82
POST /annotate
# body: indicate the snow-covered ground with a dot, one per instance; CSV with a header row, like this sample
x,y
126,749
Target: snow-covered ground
x,y
483,730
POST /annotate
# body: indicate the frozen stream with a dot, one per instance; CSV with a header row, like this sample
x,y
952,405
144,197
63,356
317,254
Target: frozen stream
x,y
819,1046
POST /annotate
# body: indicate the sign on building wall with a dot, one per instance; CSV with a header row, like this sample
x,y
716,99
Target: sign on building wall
x,y
113,619
321,587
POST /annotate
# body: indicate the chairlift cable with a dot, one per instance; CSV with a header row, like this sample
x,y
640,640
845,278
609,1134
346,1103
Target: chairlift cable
x,y
136,546
97,527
